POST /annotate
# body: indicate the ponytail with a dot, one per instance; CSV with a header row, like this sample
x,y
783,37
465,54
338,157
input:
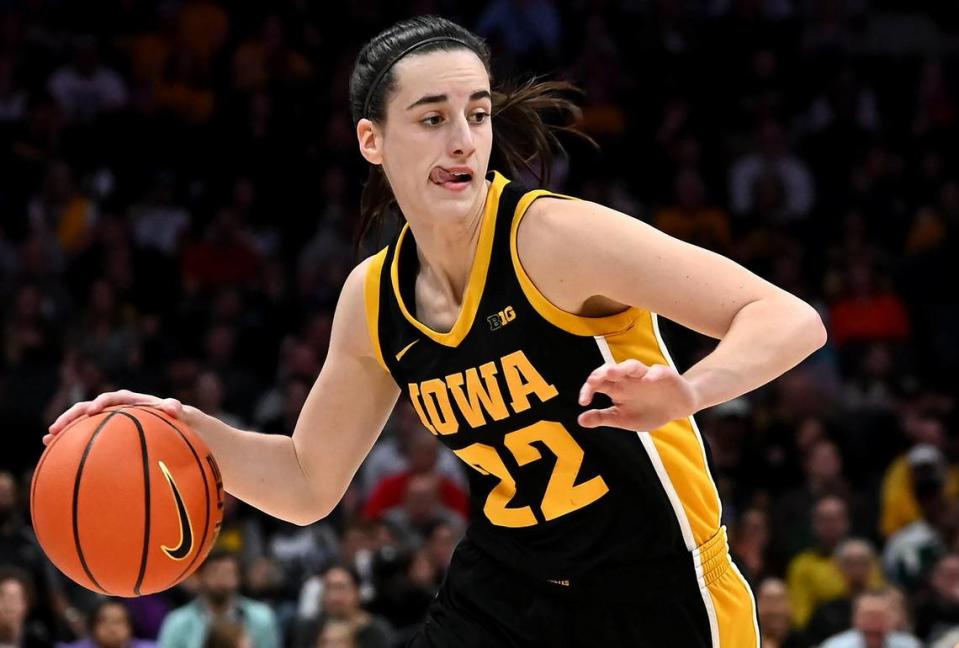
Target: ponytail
x,y
526,121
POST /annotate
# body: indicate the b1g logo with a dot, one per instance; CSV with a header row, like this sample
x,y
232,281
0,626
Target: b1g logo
x,y
501,318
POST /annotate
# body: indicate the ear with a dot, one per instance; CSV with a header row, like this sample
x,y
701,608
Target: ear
x,y
370,139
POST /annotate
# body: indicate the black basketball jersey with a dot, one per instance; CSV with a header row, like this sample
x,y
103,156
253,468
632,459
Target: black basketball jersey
x,y
500,389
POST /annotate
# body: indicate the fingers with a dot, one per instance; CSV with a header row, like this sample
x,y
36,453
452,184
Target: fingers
x,y
600,417
75,412
171,406
605,377
656,372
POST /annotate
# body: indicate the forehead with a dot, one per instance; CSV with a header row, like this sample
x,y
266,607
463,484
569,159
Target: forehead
x,y
115,611
339,576
456,73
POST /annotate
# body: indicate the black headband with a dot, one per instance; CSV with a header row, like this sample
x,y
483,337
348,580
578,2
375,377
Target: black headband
x,y
386,68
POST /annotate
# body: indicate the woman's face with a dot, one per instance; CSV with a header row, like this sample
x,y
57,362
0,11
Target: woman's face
x,y
437,121
112,627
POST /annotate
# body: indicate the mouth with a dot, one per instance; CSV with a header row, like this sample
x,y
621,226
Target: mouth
x,y
452,178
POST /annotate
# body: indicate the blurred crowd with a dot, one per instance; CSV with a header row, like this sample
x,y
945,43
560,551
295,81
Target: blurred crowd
x,y
179,187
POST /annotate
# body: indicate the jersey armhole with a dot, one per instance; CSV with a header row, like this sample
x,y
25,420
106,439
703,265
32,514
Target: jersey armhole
x,y
371,294
569,322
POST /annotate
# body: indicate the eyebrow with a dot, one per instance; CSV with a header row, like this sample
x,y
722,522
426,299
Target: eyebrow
x,y
440,98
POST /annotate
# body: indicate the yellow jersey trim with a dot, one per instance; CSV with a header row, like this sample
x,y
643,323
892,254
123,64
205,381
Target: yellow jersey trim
x,y
477,277
678,443
569,322
371,294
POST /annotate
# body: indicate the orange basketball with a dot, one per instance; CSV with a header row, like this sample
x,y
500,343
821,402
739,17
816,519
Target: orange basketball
x,y
127,502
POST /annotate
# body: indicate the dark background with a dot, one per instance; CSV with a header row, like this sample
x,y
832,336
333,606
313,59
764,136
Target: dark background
x,y
179,184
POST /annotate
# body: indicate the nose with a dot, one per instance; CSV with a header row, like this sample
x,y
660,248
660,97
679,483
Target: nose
x,y
461,138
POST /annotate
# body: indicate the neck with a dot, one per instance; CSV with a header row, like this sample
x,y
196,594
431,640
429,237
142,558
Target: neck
x,y
219,609
446,248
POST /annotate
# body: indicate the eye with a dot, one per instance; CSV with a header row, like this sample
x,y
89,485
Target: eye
x,y
480,117
429,120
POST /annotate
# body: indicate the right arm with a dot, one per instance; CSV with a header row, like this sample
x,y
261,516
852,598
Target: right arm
x,y
301,478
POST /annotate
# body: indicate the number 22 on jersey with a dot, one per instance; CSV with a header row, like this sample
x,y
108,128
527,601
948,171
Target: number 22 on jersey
x,y
563,495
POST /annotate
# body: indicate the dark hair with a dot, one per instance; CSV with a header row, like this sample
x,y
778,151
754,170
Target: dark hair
x,y
350,570
522,136
219,555
103,604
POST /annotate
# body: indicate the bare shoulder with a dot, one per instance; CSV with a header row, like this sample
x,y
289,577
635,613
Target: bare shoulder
x,y
549,246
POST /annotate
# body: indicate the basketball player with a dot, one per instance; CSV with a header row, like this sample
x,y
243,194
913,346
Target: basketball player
x,y
522,325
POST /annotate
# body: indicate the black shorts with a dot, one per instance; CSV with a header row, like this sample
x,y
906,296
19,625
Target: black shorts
x,y
485,604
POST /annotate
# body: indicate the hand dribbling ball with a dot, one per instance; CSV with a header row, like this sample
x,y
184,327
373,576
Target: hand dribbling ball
x,y
127,502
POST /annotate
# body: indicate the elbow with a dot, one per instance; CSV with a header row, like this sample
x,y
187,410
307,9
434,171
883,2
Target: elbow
x,y
813,327
318,507
310,515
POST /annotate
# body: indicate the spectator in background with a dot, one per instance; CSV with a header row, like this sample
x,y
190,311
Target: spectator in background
x,y
823,475
898,504
869,311
440,544
60,213
421,454
187,626
208,395
85,88
298,361
728,428
267,59
422,508
110,626
873,624
159,222
872,386
775,616
341,604
356,551
203,27
227,634
224,256
19,550
241,532
338,634
749,545
911,551
813,576
937,606
858,564
16,596
391,454
294,394
772,162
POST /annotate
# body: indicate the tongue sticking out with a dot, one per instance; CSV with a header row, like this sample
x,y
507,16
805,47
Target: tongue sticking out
x,y
442,176
439,176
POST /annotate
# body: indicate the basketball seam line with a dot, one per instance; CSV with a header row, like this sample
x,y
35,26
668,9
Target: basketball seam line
x,y
145,458
76,501
206,488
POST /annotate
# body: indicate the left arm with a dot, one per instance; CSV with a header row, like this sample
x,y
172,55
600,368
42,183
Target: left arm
x,y
580,254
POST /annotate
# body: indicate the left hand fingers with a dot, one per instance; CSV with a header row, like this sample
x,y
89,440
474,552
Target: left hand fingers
x,y
602,377
615,389
608,417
